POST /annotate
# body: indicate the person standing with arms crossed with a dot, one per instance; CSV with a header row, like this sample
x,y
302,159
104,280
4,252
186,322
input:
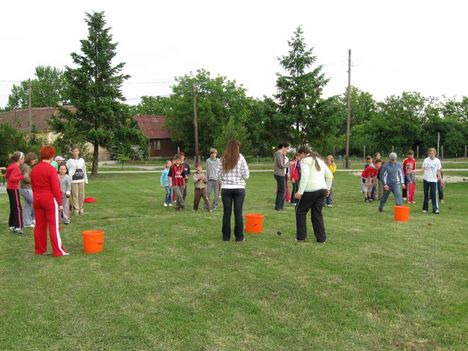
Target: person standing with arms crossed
x,y
431,176
280,175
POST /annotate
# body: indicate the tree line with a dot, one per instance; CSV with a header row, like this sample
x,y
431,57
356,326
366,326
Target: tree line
x,y
298,112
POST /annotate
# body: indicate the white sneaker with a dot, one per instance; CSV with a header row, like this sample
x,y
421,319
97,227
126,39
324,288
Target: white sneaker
x,y
11,229
404,199
30,226
165,205
170,205
424,211
441,201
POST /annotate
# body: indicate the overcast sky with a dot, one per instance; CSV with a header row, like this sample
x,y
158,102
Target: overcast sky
x,y
397,45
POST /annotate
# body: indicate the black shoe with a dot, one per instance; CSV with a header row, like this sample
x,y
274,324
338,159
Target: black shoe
x,y
380,209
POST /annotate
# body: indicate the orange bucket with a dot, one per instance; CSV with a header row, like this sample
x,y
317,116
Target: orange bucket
x,y
93,241
402,213
254,223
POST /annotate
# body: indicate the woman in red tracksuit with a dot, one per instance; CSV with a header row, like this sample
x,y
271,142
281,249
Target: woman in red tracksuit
x,y
295,176
47,204
13,177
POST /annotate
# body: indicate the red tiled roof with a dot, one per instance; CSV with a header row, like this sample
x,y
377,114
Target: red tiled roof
x,y
39,118
152,126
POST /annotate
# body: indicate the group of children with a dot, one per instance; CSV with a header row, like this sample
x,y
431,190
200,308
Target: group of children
x,y
70,173
175,177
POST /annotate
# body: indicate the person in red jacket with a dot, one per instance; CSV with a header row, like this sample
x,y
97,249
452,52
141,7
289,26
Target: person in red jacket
x,y
13,177
47,204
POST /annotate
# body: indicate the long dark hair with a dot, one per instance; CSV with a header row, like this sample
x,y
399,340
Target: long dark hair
x,y
310,153
231,155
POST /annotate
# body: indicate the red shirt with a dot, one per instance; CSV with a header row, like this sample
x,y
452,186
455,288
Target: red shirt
x,y
408,161
369,172
45,182
13,176
177,174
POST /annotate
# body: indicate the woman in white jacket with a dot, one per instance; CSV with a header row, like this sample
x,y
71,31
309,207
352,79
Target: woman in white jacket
x,y
315,184
77,172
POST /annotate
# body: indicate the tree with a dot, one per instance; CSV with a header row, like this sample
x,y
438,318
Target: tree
x,y
300,90
47,89
94,89
219,101
151,105
12,140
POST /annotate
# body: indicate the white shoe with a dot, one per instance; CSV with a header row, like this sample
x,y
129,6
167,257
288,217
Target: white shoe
x,y
441,201
170,205
424,211
30,226
11,229
165,205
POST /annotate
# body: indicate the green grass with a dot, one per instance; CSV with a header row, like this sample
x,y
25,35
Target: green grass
x,y
165,280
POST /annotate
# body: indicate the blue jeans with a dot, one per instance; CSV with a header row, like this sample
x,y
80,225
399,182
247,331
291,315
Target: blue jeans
x,y
167,198
396,190
230,197
280,192
432,188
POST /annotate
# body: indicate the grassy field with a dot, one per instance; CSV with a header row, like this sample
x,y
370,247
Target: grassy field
x,y
166,281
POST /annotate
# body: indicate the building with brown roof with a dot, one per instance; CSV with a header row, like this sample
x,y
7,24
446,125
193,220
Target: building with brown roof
x,y
160,143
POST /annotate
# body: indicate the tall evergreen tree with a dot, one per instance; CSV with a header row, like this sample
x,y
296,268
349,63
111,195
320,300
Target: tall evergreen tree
x,y
95,90
299,91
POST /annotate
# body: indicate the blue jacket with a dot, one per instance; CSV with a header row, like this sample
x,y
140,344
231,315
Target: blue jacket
x,y
164,177
392,174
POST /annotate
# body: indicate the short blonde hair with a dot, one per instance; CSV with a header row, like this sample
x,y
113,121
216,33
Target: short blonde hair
x,y
432,149
213,151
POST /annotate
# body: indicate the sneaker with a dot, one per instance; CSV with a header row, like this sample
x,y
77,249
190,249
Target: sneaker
x,y
66,254
170,205
436,212
165,205
30,226
11,229
330,205
380,209
424,211
18,231
404,199
441,201
81,211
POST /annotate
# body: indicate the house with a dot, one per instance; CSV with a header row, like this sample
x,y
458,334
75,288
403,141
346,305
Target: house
x,y
38,122
160,143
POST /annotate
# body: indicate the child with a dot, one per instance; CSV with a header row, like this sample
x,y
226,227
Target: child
x,y
295,176
377,186
212,164
369,161
330,162
200,188
367,177
13,177
65,187
411,161
77,171
187,174
177,178
165,183
410,180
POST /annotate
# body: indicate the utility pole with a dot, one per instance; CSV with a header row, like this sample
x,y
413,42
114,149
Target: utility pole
x,y
348,122
195,122
30,107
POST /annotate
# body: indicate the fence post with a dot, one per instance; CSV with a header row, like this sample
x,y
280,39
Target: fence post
x,y
465,150
442,152
417,152
364,152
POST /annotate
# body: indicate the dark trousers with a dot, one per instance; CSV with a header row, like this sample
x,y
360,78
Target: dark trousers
x,y
432,187
16,211
280,191
230,197
295,188
200,193
184,191
313,201
440,190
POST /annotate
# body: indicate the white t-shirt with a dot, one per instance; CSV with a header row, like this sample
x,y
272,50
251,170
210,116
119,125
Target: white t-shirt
x,y
430,169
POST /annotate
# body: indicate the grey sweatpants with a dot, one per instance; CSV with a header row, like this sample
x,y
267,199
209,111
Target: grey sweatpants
x,y
28,210
213,185
66,209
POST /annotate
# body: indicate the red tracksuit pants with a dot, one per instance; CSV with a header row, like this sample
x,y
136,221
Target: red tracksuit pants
x,y
410,189
47,214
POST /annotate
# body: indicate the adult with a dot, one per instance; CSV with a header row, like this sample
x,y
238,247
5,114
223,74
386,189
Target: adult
x,y
280,175
431,176
47,204
315,185
232,172
77,171
13,177
391,176
25,190
212,164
